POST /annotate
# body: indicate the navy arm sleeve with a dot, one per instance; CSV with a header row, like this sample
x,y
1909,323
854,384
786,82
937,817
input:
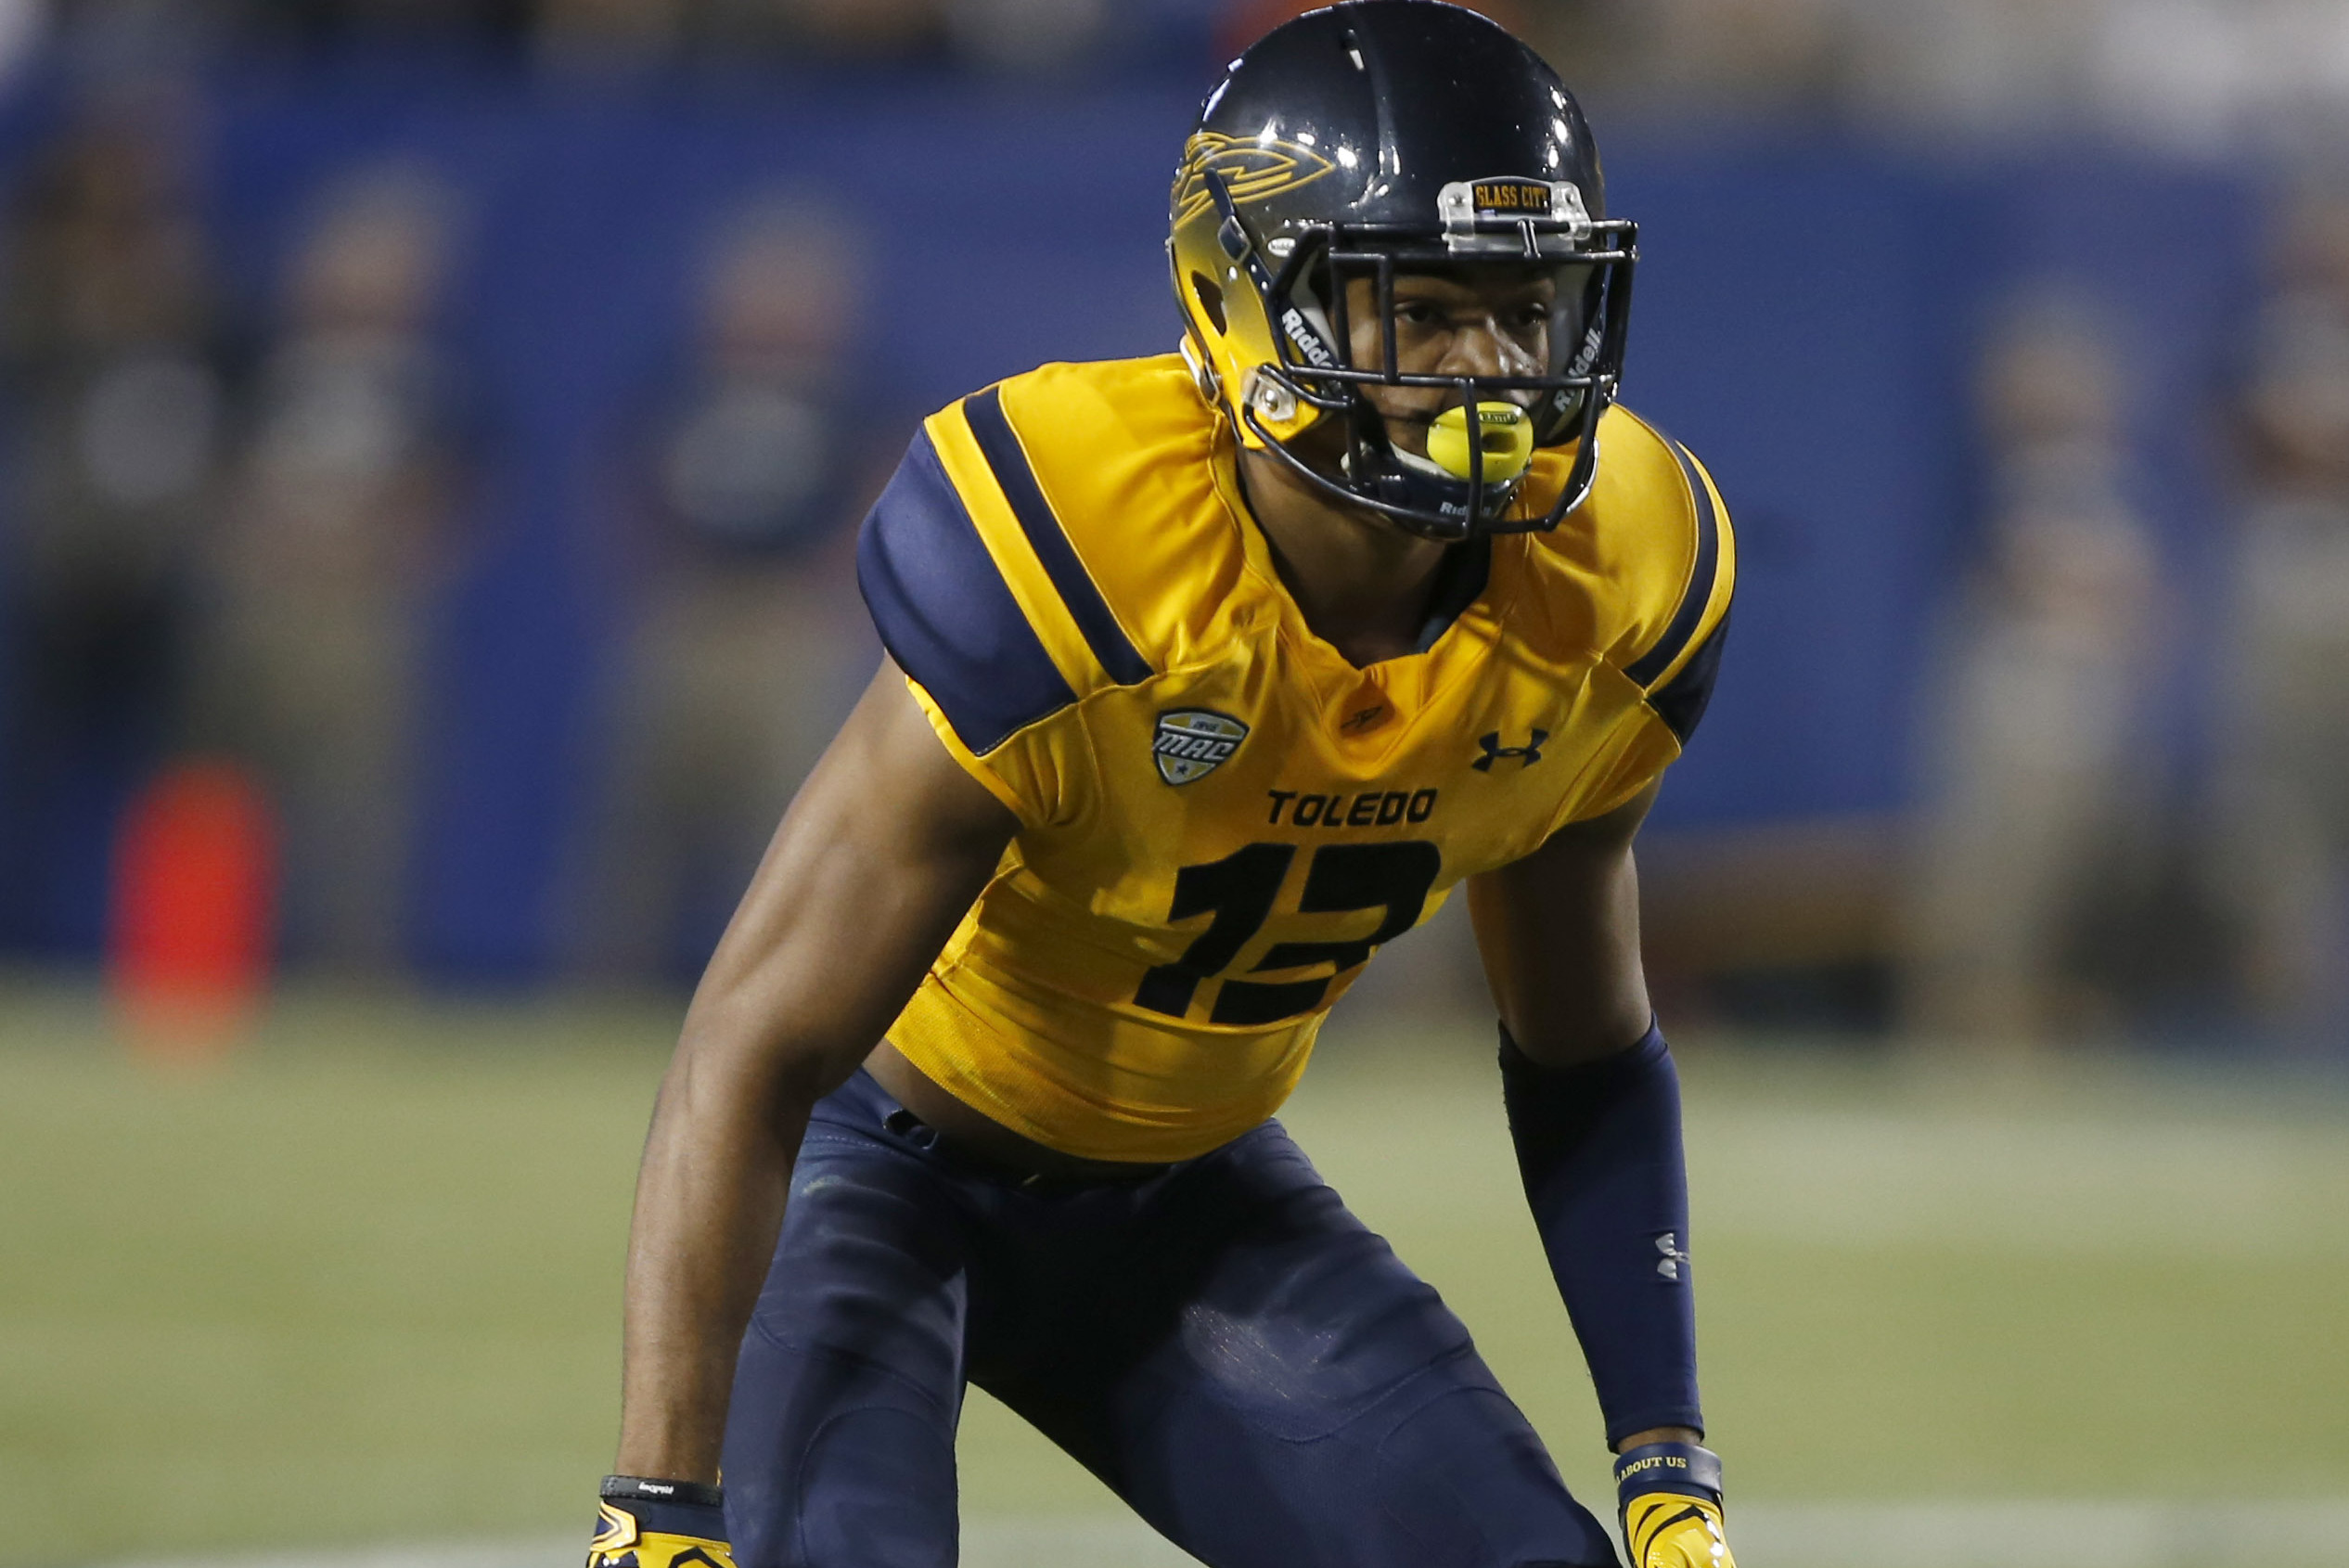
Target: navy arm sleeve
x,y
945,612
1599,1148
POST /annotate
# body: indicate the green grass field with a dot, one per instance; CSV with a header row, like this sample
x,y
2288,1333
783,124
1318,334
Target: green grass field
x,y
363,1284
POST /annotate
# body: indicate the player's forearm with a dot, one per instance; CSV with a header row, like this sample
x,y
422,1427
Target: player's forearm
x,y
760,1045
883,850
710,1198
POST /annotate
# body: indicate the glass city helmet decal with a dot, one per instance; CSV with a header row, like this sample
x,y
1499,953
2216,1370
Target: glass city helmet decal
x,y
1467,209
1193,742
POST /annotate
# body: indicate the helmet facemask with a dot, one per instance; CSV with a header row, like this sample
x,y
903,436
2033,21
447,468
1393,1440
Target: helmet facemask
x,y
1309,403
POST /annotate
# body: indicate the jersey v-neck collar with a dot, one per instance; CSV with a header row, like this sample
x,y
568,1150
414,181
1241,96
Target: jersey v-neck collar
x,y
1459,584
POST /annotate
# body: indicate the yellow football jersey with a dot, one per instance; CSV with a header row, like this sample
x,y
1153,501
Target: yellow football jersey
x,y
1220,817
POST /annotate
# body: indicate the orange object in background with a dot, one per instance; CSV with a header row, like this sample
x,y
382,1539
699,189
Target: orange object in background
x,y
193,915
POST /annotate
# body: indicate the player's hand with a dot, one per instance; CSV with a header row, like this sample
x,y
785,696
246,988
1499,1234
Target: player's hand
x,y
1670,1498
659,1524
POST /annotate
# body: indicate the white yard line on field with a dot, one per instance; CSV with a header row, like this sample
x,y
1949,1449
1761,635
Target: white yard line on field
x,y
2053,1534
1936,1534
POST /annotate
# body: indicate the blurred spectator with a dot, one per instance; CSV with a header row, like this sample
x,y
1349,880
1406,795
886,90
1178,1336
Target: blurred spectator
x,y
1973,68
2033,743
745,641
2197,75
119,395
2188,75
339,532
2286,787
2191,75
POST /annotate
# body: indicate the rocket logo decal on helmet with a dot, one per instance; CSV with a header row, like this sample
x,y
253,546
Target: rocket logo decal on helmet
x,y
1251,170
1193,742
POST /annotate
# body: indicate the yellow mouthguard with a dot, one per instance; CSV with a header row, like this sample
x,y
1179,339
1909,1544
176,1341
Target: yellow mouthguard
x,y
1503,431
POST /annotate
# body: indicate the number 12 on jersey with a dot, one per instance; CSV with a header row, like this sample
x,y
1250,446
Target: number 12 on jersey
x,y
1238,893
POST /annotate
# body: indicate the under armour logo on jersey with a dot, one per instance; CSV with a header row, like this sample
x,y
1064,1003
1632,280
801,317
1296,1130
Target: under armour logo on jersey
x,y
1529,753
1193,742
1673,1258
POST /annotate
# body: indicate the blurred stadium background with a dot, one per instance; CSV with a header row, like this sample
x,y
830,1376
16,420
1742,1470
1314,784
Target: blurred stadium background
x,y
431,433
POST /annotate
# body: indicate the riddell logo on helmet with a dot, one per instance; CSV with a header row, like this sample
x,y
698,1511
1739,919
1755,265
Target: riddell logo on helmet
x,y
1308,341
1593,341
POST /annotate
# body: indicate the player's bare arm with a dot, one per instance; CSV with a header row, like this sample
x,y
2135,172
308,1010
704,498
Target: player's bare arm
x,y
1558,932
879,857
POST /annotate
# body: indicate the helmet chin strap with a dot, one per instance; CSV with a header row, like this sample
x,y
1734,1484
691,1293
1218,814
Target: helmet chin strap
x,y
1424,484
1448,478
1345,495
1436,473
1417,502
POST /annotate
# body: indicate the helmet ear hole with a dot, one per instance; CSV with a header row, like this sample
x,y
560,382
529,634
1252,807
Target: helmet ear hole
x,y
1211,301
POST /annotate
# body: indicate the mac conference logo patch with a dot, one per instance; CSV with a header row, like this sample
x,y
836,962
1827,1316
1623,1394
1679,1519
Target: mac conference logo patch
x,y
1193,742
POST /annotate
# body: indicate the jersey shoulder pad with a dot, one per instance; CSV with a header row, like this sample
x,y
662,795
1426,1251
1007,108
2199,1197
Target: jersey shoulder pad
x,y
1129,459
1654,543
974,580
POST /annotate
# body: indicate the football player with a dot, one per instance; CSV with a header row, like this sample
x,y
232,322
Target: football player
x,y
1208,674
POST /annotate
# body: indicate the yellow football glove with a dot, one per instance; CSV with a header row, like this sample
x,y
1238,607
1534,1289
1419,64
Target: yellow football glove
x,y
645,1524
1670,1498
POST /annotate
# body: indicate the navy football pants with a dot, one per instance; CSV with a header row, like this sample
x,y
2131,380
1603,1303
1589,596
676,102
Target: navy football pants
x,y
1225,1346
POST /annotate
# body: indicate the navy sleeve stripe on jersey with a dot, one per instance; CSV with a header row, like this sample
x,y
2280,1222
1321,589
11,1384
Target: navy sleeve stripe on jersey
x,y
1651,664
1681,702
945,612
1050,541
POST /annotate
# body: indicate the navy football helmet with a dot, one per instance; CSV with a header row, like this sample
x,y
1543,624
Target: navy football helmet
x,y
1373,139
